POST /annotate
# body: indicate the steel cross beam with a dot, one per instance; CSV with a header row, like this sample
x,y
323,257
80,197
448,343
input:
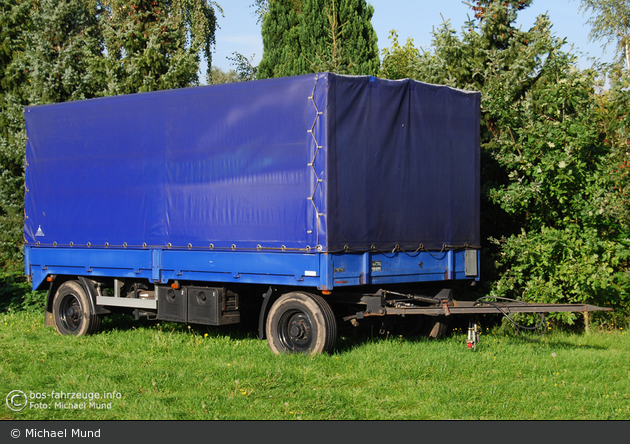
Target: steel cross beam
x,y
466,307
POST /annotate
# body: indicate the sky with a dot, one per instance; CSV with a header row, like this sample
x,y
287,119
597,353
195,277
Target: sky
x,y
414,19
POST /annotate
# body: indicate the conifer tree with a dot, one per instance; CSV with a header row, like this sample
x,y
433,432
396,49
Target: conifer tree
x,y
337,36
305,36
281,41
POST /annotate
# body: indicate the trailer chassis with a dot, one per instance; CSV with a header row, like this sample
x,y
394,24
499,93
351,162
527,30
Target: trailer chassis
x,y
389,303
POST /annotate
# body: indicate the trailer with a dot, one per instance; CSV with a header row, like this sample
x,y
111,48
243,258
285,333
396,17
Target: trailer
x,y
312,199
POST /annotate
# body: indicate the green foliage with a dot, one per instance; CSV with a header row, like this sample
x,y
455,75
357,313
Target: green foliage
x,y
610,21
261,7
60,50
15,23
16,292
399,62
280,34
245,70
337,36
154,44
15,26
303,36
218,76
555,216
614,124
63,53
565,265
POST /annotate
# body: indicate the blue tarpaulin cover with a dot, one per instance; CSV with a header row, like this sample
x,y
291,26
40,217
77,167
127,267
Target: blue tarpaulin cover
x,y
299,162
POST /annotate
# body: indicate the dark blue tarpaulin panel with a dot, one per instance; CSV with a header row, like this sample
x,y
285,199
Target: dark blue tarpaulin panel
x,y
291,163
410,154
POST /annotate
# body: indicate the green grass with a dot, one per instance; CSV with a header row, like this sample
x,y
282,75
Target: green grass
x,y
169,371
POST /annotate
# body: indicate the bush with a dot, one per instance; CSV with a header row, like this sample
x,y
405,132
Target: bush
x,y
16,292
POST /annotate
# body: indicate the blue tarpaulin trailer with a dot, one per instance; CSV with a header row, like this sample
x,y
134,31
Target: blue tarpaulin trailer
x,y
316,188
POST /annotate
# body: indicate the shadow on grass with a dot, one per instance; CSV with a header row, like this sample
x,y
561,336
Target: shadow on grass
x,y
349,338
127,322
551,341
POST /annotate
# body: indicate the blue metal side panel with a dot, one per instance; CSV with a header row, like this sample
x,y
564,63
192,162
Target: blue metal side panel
x,y
42,262
162,266
393,268
324,271
251,267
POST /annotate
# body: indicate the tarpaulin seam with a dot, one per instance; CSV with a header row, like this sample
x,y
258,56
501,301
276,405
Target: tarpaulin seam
x,y
318,147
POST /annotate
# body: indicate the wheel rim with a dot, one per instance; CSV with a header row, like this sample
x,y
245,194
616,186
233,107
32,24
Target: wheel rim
x,y
70,313
295,331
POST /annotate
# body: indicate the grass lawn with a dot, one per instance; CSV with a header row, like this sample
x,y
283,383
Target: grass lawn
x,y
155,370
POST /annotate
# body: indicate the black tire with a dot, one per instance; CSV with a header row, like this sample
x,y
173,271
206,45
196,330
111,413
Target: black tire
x,y
72,312
436,327
301,323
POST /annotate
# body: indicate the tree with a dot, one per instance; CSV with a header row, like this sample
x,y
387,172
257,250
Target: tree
x,y
261,7
548,206
217,76
156,44
610,21
54,51
53,55
64,52
15,25
337,36
280,33
245,70
399,62
302,36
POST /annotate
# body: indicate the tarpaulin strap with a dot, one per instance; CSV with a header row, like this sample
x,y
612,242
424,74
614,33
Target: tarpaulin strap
x,y
318,180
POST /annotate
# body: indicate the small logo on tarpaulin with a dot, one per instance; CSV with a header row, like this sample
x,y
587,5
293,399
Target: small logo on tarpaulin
x,y
39,231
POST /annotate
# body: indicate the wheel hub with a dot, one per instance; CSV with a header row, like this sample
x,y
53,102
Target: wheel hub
x,y
298,330
71,313
295,331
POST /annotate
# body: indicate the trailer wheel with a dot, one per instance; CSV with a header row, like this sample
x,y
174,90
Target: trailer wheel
x,y
72,313
301,323
436,327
